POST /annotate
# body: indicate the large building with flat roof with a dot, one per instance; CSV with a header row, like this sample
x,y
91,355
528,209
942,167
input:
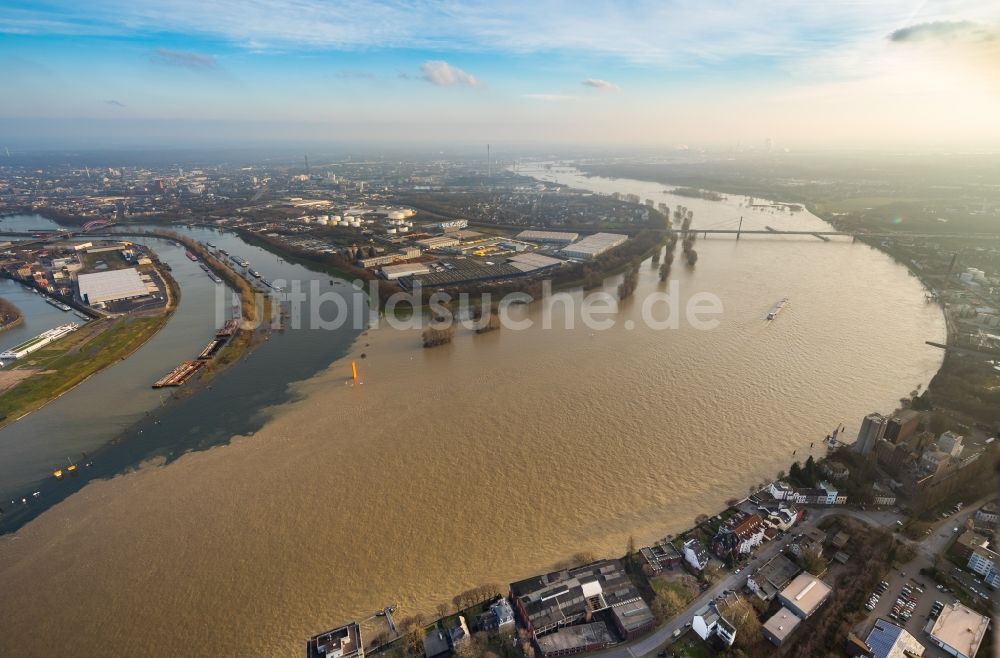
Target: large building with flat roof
x,y
111,286
593,245
887,640
557,237
550,601
782,624
532,262
958,630
805,594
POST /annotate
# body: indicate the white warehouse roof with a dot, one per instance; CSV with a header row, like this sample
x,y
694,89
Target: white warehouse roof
x,y
594,245
111,286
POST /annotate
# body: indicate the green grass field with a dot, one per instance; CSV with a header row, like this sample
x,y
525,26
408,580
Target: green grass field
x,y
62,367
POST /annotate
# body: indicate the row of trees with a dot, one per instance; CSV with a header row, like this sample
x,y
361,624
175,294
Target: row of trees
x,y
629,282
668,257
806,475
248,301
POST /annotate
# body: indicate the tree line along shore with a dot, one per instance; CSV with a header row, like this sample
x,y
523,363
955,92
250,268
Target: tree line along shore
x,y
10,315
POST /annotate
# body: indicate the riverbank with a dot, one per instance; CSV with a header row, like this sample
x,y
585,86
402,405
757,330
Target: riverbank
x,y
10,315
255,312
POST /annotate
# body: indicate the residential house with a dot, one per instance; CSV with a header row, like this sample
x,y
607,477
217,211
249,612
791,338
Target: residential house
x,y
882,496
498,617
782,518
810,540
435,643
968,542
835,470
988,515
695,555
738,535
459,634
985,563
709,623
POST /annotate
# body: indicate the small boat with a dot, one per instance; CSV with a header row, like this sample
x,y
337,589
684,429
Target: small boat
x,y
191,256
57,474
210,245
773,313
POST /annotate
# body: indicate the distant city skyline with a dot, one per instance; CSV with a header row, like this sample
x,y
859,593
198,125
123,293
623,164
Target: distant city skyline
x,y
852,74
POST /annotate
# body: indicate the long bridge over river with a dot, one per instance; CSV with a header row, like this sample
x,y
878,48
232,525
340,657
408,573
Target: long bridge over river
x,y
823,235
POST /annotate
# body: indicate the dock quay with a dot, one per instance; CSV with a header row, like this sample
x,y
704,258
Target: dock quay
x,y
180,374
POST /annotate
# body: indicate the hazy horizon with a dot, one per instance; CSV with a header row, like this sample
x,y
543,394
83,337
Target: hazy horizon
x,y
901,74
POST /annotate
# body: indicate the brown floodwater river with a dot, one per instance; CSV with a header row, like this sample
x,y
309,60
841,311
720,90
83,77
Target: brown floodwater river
x,y
485,460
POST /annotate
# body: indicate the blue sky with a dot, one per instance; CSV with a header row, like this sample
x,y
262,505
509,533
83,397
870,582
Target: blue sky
x,y
669,73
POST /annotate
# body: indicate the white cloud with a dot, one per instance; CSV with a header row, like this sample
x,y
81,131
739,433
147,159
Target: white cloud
x,y
666,33
600,85
443,74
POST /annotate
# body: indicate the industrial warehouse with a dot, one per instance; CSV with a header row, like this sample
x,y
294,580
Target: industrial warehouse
x,y
113,286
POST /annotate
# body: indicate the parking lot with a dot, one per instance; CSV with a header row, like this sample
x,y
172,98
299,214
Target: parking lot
x,y
920,611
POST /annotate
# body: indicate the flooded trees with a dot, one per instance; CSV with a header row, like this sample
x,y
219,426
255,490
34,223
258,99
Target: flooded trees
x,y
629,283
491,321
435,336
